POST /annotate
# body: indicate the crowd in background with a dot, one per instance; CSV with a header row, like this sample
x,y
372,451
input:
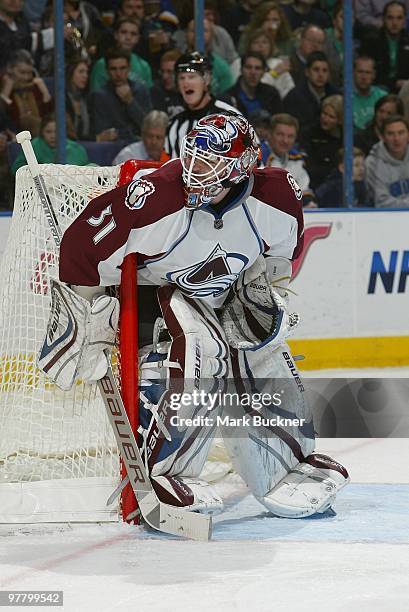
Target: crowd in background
x,y
135,84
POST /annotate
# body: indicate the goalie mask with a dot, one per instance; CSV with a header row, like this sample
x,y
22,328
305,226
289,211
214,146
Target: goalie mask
x,y
219,152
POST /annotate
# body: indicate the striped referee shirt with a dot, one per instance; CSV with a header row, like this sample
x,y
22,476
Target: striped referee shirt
x,y
185,121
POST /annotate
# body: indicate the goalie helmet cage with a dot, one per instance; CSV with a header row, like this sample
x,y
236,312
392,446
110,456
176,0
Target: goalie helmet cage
x,y
58,457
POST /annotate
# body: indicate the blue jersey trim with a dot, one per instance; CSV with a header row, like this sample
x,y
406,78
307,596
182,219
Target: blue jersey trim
x,y
253,227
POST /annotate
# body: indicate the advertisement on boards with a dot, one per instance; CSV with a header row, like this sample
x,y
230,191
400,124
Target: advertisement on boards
x,y
352,277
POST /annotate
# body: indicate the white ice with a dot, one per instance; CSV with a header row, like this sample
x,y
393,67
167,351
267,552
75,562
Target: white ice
x,y
355,559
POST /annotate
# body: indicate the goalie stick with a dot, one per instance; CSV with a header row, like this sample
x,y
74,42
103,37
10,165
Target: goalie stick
x,y
158,515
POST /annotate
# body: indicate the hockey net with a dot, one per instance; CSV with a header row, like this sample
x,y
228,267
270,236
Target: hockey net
x,y
46,435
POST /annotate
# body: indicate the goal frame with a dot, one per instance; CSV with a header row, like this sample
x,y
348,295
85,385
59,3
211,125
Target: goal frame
x,y
56,499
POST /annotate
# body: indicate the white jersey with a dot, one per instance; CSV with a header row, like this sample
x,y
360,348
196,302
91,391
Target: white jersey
x,y
202,252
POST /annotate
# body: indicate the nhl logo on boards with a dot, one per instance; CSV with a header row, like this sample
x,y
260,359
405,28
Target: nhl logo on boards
x,y
294,186
137,193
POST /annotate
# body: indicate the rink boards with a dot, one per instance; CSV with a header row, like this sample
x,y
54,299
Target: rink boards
x,y
351,288
351,284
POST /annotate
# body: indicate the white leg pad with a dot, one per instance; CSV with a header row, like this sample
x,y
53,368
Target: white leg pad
x,y
264,455
307,489
192,494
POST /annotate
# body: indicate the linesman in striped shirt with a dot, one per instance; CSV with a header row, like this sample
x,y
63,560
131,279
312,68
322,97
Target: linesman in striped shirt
x,y
193,76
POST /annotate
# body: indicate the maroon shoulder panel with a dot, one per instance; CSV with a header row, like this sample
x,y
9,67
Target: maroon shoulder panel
x,y
104,225
277,188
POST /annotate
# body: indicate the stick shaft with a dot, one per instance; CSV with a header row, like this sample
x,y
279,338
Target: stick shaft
x,y
29,154
39,183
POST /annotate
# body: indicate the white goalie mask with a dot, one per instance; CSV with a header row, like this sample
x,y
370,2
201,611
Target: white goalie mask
x,y
219,152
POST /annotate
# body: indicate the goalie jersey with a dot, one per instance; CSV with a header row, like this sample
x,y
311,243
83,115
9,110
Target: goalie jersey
x,y
202,252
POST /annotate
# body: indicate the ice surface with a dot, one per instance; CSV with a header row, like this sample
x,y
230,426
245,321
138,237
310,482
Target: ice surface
x,y
355,558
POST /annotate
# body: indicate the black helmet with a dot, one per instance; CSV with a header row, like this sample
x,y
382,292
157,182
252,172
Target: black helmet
x,y
193,62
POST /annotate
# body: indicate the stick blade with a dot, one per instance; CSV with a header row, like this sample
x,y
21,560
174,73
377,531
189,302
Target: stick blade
x,y
187,524
179,522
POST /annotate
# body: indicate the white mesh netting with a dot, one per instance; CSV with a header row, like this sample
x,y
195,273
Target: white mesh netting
x,y
45,433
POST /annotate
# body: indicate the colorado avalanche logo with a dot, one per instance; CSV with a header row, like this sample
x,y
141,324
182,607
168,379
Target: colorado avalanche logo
x,y
212,276
137,193
294,186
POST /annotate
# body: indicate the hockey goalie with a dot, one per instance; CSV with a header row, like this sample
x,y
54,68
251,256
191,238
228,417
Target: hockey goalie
x,y
215,237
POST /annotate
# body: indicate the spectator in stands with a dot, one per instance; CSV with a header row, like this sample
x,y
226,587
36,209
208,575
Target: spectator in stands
x,y
23,95
222,77
6,124
270,18
33,10
15,33
333,47
282,137
164,93
277,72
44,147
404,97
249,93
7,134
366,94
132,8
151,146
76,100
389,105
237,16
157,31
193,74
124,102
126,35
369,13
222,43
74,45
328,6
311,39
331,193
322,141
305,99
85,18
302,12
260,120
387,165
389,47
5,182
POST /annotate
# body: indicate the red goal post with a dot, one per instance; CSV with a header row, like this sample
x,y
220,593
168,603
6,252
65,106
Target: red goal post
x,y
128,333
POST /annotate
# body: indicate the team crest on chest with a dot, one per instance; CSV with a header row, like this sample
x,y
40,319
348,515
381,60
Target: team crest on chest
x,y
211,276
137,193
